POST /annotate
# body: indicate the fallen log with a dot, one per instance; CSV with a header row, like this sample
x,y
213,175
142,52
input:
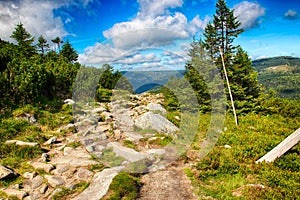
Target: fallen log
x,y
282,147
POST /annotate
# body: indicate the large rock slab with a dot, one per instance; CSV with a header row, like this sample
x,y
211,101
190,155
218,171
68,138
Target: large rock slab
x,y
156,122
72,161
78,153
7,173
13,192
129,154
39,165
99,184
54,181
156,108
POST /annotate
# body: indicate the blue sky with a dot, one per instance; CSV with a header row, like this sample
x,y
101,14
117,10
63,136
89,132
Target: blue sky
x,y
151,33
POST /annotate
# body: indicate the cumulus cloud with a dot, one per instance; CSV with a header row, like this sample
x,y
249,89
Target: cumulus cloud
x,y
249,13
154,26
291,14
37,17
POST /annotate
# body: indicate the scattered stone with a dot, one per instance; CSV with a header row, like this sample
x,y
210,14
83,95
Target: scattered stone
x,y
69,101
27,116
99,184
69,151
45,157
13,192
52,140
132,136
84,174
72,161
125,121
177,117
16,186
11,141
87,141
98,110
7,173
31,144
29,175
227,146
38,165
37,182
43,189
125,152
85,125
54,181
90,148
21,143
117,134
156,122
60,169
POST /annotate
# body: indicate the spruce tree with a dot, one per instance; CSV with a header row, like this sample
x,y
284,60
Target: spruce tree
x,y
24,40
219,36
42,45
69,52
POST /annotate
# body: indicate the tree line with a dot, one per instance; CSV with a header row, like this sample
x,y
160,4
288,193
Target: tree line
x,y
34,74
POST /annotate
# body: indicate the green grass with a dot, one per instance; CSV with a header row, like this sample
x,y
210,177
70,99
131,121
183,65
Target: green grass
x,y
130,144
11,128
224,170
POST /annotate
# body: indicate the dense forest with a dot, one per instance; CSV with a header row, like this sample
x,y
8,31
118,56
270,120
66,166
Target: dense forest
x,y
35,80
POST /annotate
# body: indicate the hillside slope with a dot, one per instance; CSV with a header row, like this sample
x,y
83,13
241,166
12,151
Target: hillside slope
x,y
282,74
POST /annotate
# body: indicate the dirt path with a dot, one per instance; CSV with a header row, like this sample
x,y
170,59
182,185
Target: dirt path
x,y
168,184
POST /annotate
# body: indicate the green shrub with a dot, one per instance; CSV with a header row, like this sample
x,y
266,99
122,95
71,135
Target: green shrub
x,y
103,95
124,186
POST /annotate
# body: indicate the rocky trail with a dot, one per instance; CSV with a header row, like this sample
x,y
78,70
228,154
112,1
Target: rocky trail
x,y
123,135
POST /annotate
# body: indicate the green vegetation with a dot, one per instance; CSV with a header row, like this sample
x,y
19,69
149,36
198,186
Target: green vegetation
x,y
124,186
225,170
281,74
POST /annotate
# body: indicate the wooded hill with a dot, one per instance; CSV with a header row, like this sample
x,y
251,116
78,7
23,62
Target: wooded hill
x,y
281,74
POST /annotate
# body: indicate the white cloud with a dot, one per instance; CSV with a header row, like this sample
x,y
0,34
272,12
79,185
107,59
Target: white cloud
x,y
37,17
154,8
248,13
100,54
291,14
154,26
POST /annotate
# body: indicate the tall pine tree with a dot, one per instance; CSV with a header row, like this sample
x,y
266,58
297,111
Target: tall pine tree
x,y
219,37
25,40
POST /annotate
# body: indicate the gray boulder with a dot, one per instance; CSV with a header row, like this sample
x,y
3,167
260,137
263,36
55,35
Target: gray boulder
x,y
156,122
125,152
155,107
99,184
